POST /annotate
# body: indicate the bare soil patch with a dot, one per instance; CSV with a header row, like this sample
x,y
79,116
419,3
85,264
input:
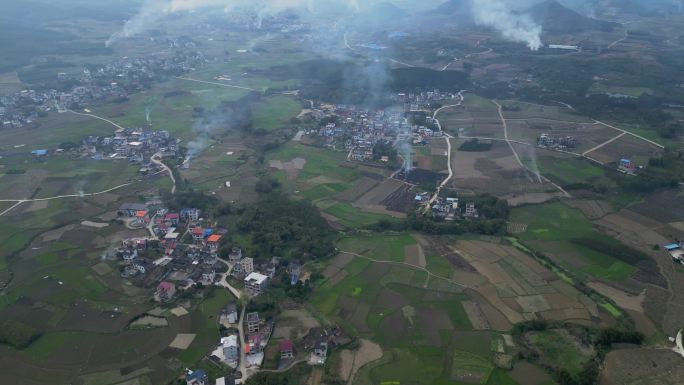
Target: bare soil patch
x,y
182,341
622,299
392,300
352,361
475,315
413,255
359,189
642,367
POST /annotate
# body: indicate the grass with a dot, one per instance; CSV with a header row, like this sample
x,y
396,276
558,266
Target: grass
x,y
275,111
571,171
205,325
324,191
47,344
439,266
466,364
319,162
379,247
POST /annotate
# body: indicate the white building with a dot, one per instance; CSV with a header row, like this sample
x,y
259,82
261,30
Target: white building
x,y
255,283
230,349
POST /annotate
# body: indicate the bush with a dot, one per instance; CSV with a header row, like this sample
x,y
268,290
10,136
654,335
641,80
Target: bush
x,y
17,334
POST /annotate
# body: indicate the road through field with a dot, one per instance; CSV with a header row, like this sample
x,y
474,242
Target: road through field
x,y
447,137
517,157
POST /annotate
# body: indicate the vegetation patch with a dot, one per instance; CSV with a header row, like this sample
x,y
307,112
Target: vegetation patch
x,y
17,334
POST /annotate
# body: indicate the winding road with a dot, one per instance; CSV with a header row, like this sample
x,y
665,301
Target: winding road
x,y
447,137
156,159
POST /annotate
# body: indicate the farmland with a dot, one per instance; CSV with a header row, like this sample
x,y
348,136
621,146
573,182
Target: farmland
x,y
435,322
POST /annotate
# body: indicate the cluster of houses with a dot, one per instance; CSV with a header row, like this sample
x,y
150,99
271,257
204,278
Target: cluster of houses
x,y
448,209
423,101
626,166
136,145
89,86
563,143
359,130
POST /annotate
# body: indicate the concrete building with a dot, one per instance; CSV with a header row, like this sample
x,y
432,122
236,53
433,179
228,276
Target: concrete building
x,y
252,323
255,283
231,352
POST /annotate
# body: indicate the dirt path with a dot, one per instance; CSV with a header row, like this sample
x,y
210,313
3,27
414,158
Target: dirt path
x,y
98,117
20,201
429,273
215,83
517,157
609,141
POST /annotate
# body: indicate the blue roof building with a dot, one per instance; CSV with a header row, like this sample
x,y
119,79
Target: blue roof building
x,y
39,152
198,377
673,246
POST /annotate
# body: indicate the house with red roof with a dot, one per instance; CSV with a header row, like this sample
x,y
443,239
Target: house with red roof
x,y
197,233
286,349
166,291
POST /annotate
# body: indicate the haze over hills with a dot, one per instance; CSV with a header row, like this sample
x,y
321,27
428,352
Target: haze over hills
x,y
556,18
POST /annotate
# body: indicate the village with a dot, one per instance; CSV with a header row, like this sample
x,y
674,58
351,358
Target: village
x,y
70,91
182,254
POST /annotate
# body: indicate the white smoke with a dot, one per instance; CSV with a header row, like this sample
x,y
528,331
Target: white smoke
x,y
514,26
152,11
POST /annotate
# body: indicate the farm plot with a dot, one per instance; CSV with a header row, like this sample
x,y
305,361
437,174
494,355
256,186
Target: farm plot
x,y
378,199
520,287
627,146
494,172
565,235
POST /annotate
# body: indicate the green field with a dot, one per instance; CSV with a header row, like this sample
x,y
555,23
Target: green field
x,y
352,217
378,247
205,325
275,111
571,171
551,229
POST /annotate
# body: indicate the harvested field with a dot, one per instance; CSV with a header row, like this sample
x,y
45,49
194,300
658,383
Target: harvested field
x,y
182,341
592,209
391,300
531,198
359,189
337,278
414,255
352,361
94,224
665,206
150,321
516,228
36,206
179,311
102,268
642,367
54,235
373,200
622,299
342,260
401,200
626,146
475,315
528,374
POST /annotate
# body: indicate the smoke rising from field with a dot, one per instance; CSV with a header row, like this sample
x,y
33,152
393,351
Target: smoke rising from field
x,y
500,15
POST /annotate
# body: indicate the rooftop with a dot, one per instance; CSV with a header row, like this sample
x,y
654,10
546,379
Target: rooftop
x,y
257,278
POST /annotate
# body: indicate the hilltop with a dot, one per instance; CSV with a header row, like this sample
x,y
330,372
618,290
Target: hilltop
x,y
556,18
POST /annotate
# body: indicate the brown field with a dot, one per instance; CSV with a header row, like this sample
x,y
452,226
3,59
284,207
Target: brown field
x,y
475,315
521,288
592,209
360,188
642,367
627,146
352,361
494,172
414,255
528,374
372,201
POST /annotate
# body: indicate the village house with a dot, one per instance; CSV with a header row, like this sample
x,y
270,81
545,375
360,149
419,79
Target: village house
x,y
286,349
131,209
229,314
235,255
231,351
255,283
190,214
198,377
166,291
253,323
320,351
243,268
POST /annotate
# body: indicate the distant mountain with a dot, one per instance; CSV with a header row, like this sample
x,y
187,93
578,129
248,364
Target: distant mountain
x,y
554,17
452,8
385,10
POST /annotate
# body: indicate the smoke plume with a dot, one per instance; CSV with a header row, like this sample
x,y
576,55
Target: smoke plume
x,y
514,26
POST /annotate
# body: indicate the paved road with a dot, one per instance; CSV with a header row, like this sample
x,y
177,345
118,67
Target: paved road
x,y
241,323
156,160
447,137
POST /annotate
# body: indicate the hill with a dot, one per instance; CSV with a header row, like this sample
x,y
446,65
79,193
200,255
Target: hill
x,y
556,18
